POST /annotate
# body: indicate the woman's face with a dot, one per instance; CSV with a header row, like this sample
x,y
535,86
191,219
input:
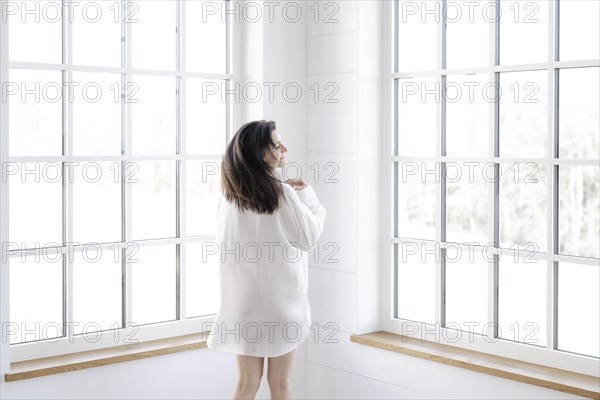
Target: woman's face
x,y
275,157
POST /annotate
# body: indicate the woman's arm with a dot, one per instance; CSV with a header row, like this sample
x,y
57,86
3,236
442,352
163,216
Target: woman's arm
x,y
302,216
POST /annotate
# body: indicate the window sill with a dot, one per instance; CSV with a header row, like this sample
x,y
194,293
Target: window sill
x,y
533,374
96,358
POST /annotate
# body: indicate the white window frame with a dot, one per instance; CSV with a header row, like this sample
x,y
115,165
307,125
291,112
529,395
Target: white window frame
x,y
181,326
547,356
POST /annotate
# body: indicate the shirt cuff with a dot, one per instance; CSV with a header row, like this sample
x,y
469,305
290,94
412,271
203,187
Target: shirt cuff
x,y
308,196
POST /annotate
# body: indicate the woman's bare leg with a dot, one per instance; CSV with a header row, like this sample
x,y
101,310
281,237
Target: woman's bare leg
x,y
279,375
250,372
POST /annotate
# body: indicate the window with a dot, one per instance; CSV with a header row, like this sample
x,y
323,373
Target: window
x,y
113,127
494,177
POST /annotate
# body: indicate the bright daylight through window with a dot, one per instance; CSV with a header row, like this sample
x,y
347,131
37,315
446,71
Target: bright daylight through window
x,y
495,171
113,153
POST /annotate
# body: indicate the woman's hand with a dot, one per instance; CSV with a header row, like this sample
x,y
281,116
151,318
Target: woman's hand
x,y
297,184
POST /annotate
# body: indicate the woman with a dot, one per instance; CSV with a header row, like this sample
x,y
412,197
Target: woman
x,y
265,227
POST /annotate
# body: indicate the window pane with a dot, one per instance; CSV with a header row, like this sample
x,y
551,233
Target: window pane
x,y
523,114
417,183
523,32
579,30
96,113
203,186
35,112
153,112
466,291
417,30
206,118
36,296
153,34
97,292
522,209
417,113
467,201
416,281
35,204
467,33
97,187
468,99
35,30
579,210
153,198
579,308
206,36
97,32
202,280
579,125
522,300
153,280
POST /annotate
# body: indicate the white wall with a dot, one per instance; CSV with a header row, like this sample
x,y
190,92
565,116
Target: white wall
x,y
195,374
190,374
348,370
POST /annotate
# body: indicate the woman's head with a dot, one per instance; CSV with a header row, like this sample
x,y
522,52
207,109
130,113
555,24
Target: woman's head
x,y
247,177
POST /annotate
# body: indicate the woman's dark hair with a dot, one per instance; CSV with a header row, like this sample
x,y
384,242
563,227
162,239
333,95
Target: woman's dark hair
x,y
246,179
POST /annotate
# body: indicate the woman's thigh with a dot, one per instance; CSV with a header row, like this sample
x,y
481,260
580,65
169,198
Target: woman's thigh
x,y
250,368
280,368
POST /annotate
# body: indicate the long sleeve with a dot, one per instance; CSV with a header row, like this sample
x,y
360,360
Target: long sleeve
x,y
302,217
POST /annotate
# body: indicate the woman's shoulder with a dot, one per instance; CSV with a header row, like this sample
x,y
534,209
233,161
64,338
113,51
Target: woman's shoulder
x,y
289,192
287,188
306,195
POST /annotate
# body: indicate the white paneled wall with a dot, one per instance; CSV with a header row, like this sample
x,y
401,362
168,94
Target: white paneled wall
x,y
332,53
333,298
344,136
336,185
332,135
340,228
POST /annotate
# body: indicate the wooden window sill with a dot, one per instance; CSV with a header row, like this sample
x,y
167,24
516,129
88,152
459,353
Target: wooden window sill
x,y
551,378
96,358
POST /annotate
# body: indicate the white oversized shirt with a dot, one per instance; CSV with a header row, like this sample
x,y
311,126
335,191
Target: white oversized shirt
x,y
263,269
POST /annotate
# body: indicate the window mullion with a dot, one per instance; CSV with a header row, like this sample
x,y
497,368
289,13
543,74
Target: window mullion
x,y
126,151
440,195
181,165
552,189
493,153
67,176
394,169
4,214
